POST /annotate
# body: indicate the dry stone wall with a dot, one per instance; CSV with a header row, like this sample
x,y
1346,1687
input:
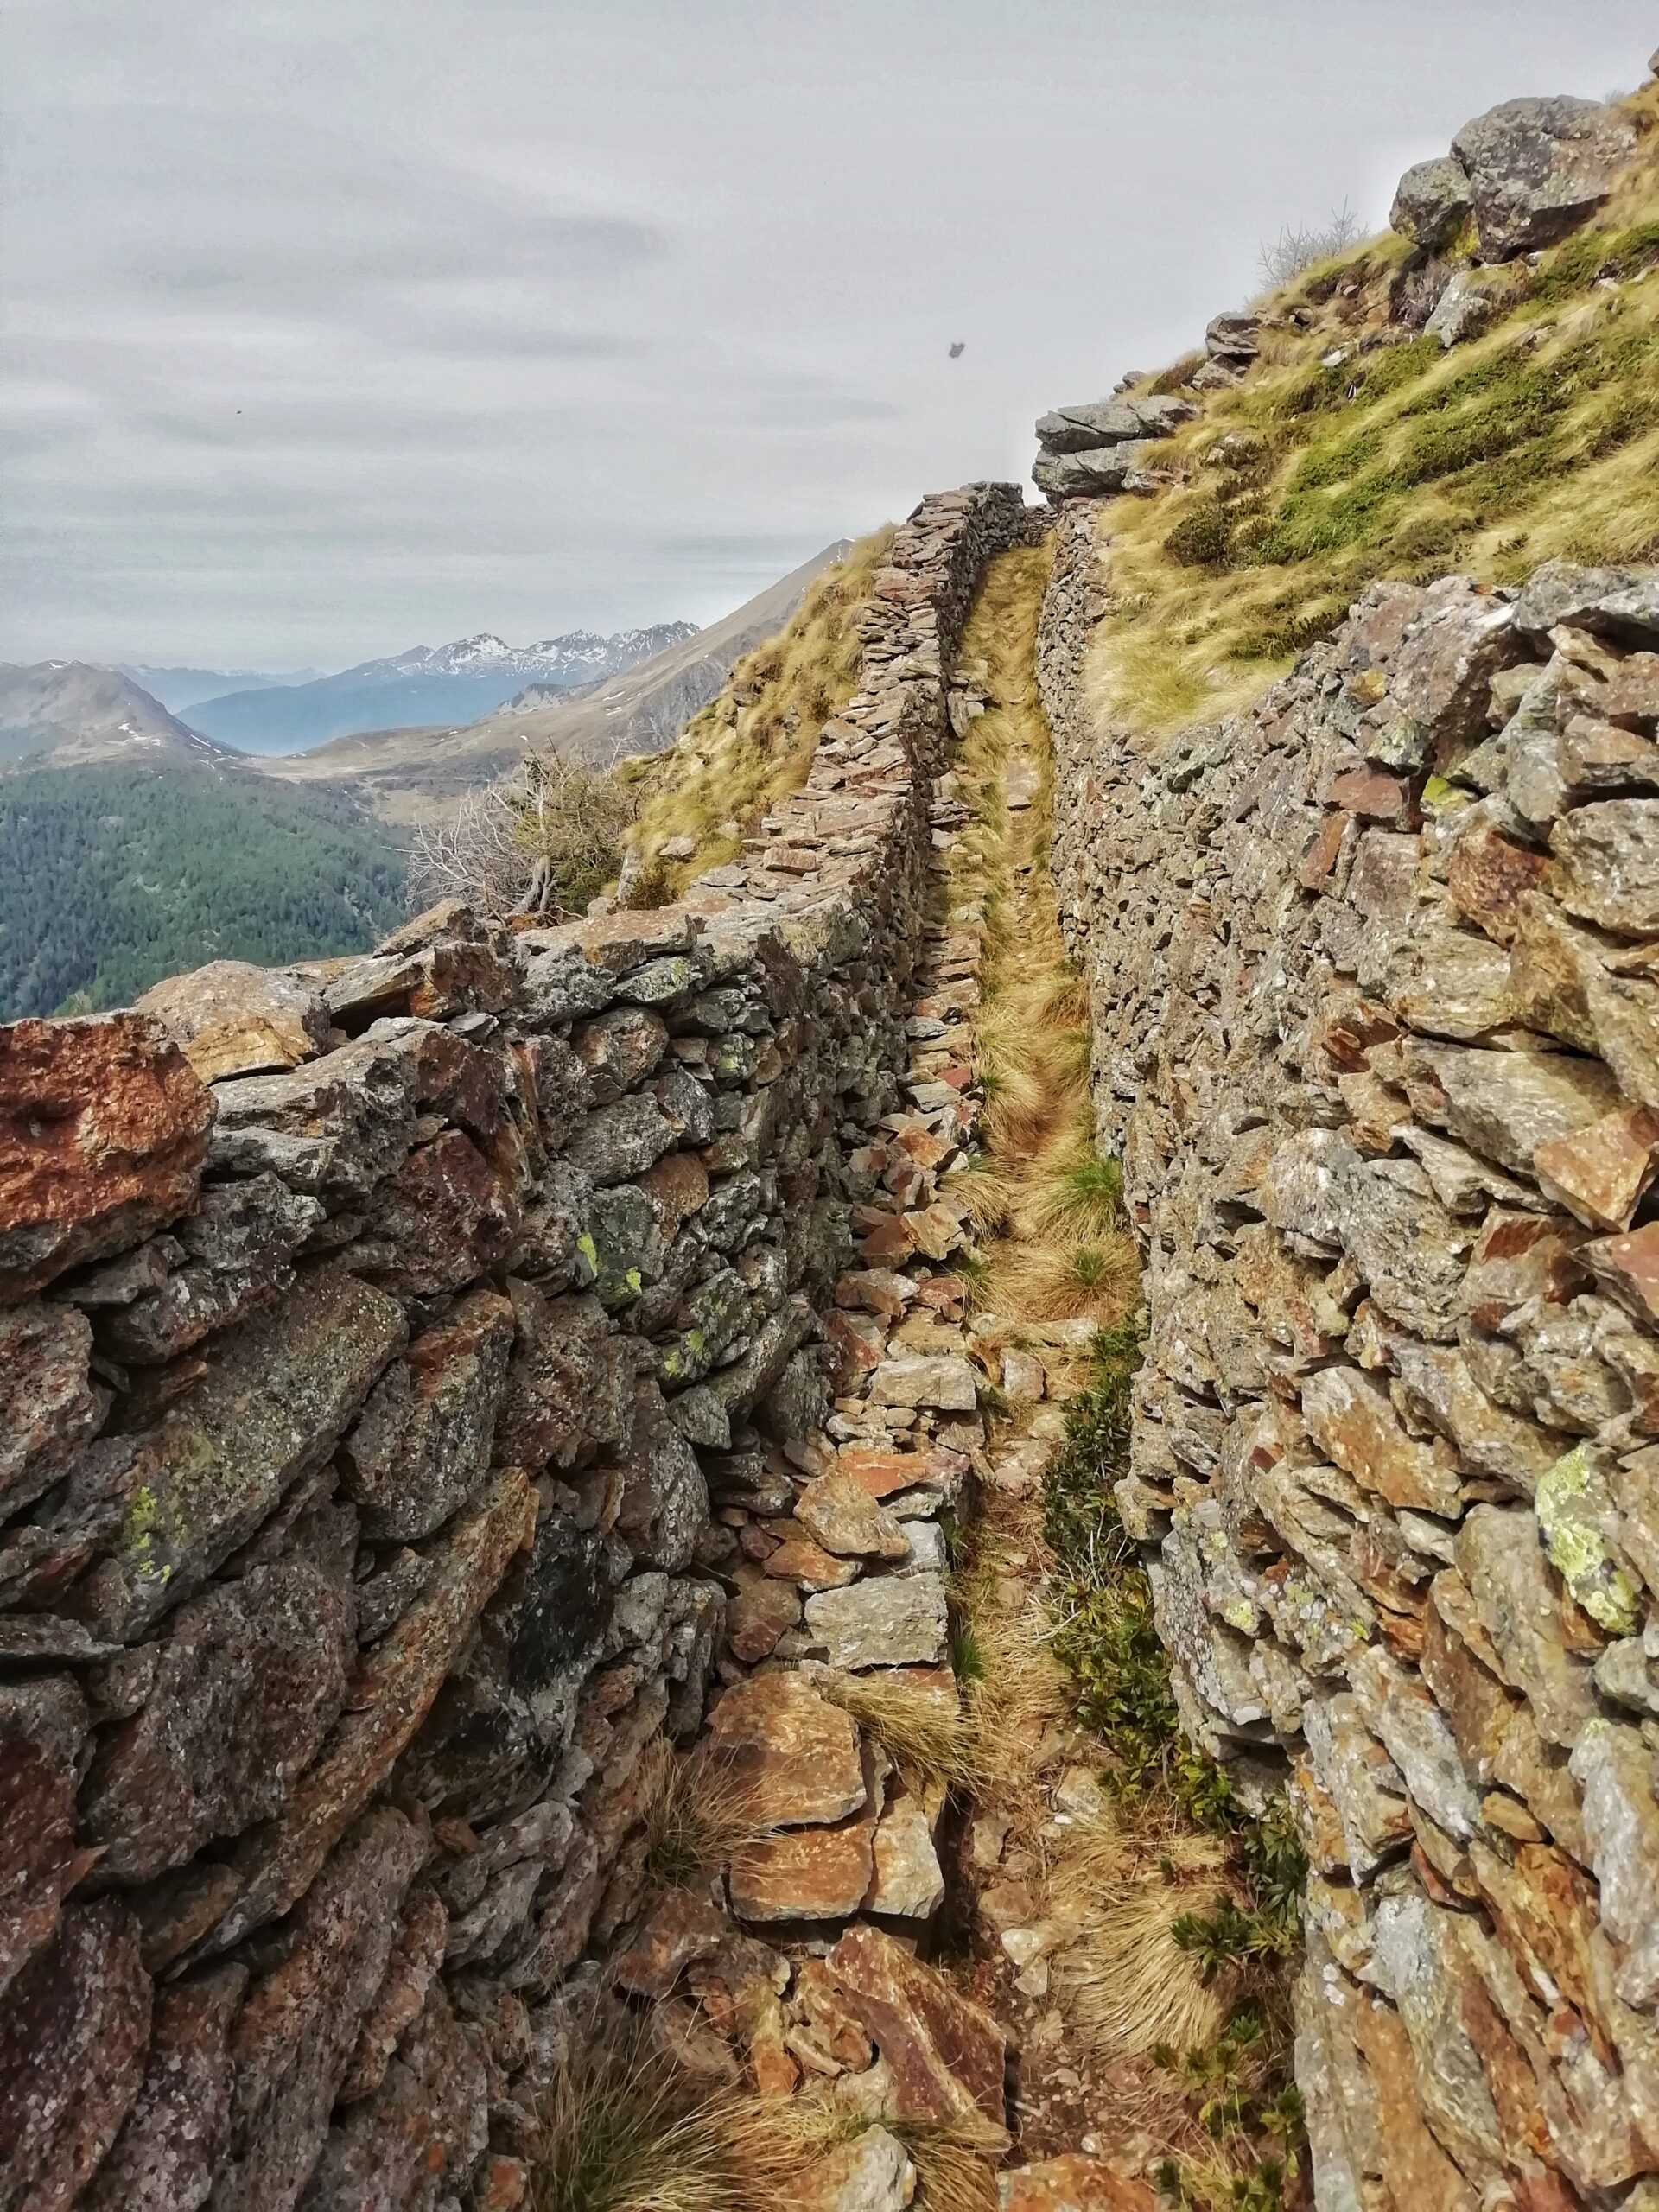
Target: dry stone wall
x,y
373,1339
1375,976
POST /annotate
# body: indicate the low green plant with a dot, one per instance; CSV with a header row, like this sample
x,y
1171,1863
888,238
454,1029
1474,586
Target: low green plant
x,y
1249,2108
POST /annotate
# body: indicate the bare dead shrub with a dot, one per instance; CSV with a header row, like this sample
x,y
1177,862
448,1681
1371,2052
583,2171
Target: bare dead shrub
x,y
1299,245
542,841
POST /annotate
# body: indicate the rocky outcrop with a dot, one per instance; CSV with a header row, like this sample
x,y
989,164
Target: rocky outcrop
x,y
377,1336
1528,172
1105,446
1377,1040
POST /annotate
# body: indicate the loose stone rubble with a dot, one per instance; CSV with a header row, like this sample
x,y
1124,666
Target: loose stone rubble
x,y
1373,972
423,1371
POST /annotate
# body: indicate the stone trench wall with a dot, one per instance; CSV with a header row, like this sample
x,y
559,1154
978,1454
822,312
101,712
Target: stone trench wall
x,y
374,1336
1375,977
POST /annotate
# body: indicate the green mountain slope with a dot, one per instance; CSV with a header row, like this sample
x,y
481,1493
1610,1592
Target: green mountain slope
x,y
113,877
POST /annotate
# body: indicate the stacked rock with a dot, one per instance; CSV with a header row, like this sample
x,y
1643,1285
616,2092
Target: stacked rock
x,y
1373,975
1105,446
372,1335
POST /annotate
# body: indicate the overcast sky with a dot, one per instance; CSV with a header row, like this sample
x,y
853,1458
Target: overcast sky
x,y
332,327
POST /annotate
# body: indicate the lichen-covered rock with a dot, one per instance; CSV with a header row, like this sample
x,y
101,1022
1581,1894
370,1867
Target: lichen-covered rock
x,y
43,1726
73,2028
422,1443
293,2038
177,2129
236,1251
894,1621
246,1683
1431,202
49,1405
797,1754
267,1413
1539,167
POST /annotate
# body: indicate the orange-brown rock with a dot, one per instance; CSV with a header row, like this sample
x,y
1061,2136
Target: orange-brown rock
x,y
103,1133
1628,1268
231,1018
797,1754
947,2055
804,1873
1073,2183
845,1517
1600,1172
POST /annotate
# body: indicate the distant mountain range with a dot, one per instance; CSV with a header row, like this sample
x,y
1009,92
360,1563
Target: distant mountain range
x,y
407,776
72,715
443,684
133,846
180,689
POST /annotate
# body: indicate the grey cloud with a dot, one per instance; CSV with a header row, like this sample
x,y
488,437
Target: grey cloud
x,y
604,311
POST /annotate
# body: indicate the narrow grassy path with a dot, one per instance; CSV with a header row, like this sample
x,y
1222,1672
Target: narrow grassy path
x,y
1098,1853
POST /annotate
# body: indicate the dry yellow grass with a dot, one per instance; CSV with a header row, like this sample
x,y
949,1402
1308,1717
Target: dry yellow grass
x,y
1119,1885
927,1737
699,1810
1052,1243
754,744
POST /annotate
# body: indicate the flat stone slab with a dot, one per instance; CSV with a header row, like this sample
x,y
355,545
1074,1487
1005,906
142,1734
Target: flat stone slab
x,y
799,1752
888,1621
939,1379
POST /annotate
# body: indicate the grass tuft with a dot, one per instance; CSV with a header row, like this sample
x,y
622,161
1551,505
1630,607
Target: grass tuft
x,y
700,1809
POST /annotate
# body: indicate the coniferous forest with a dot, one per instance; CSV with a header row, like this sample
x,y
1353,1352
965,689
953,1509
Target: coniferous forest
x,y
111,878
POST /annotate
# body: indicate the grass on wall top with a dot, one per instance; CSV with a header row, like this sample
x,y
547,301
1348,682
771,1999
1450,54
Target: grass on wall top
x,y
753,744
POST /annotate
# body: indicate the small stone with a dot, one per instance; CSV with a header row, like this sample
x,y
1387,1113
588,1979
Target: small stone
x,y
948,1384
1073,2183
947,2055
908,1881
873,2173
1600,1171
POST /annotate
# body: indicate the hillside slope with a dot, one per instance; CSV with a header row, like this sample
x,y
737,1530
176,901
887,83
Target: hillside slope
x,y
1357,445
70,712
412,775
113,875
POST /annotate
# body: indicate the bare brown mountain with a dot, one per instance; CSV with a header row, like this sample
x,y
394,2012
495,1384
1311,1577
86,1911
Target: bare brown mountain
x,y
408,776
66,713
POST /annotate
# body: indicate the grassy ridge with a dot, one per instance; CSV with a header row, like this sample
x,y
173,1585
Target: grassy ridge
x,y
1348,454
752,744
112,877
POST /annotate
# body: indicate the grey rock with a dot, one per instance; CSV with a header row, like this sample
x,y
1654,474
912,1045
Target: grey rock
x,y
1538,168
1100,474
1617,603
622,1140
1462,312
883,1621
1431,202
